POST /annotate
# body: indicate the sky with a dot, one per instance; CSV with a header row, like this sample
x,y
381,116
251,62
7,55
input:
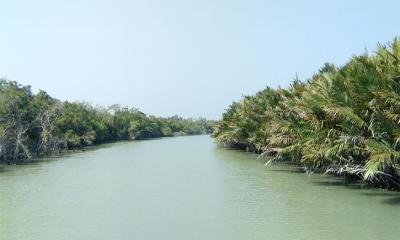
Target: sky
x,y
191,58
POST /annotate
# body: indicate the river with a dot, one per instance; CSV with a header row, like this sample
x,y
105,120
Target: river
x,y
185,188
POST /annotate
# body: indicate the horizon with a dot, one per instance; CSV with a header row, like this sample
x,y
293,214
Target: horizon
x,y
179,58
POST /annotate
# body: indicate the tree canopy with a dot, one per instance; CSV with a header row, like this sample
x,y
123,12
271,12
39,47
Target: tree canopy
x,y
344,120
36,124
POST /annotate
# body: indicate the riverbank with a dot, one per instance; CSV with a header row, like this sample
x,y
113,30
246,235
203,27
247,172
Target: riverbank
x,y
34,125
66,152
344,120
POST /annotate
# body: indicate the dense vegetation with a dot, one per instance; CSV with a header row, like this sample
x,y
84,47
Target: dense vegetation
x,y
344,120
33,125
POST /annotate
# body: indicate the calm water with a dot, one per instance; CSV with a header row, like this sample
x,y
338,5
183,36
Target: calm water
x,y
185,188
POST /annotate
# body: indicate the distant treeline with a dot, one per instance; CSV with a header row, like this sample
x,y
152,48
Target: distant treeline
x,y
33,125
344,120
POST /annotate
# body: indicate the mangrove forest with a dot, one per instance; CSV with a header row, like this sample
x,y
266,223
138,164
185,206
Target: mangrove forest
x,y
343,120
33,125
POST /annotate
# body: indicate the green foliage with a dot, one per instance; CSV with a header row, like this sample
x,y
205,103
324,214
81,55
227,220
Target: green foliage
x,y
343,120
37,124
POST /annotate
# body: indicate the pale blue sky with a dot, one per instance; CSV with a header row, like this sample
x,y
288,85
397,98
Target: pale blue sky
x,y
191,58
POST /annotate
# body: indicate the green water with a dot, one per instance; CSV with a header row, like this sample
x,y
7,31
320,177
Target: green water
x,y
185,188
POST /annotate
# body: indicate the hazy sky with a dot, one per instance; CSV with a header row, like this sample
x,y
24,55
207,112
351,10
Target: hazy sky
x,y
191,58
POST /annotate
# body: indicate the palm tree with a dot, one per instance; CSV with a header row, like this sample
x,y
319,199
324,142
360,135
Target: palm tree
x,y
344,120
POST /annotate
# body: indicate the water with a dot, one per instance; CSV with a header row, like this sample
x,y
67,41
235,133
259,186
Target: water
x,y
185,188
